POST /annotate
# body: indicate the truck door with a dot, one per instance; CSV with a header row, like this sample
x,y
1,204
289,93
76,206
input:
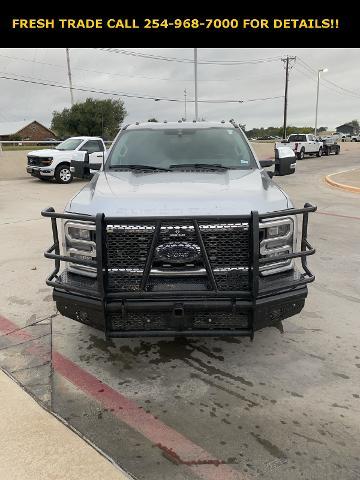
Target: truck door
x,y
95,149
312,144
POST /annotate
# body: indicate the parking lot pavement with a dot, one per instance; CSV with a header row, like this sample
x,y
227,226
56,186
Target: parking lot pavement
x,y
285,406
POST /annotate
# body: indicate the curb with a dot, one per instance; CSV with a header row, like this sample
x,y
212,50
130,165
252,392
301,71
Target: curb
x,y
341,186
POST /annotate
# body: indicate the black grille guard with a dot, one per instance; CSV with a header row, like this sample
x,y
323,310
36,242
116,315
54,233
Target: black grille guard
x,y
101,222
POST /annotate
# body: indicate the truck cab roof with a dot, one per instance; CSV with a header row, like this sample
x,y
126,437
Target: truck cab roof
x,y
179,124
86,138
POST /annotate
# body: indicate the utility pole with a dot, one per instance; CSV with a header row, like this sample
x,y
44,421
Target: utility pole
x,y
287,62
196,91
69,73
185,103
317,97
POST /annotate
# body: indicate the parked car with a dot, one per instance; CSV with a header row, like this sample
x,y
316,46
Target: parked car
x,y
182,233
55,163
266,137
47,140
345,137
330,146
355,138
303,144
337,135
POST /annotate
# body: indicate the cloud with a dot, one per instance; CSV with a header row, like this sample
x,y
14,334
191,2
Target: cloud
x,y
97,69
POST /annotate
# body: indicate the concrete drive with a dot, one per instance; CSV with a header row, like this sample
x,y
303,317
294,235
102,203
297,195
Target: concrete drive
x,y
284,407
34,445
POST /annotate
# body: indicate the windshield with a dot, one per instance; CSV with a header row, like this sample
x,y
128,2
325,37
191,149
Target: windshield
x,y
69,144
170,147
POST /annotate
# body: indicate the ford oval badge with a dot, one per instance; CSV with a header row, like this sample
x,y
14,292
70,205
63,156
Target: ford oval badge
x,y
177,252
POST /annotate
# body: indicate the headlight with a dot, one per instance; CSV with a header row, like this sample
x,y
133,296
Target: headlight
x,y
278,238
278,230
75,232
80,243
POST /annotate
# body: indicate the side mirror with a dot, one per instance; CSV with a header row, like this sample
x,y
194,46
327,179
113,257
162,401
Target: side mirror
x,y
266,163
285,161
79,165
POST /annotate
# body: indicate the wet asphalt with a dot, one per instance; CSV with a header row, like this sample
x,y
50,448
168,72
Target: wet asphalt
x,y
285,406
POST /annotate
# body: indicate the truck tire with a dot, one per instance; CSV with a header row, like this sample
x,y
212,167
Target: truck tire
x,y
63,173
337,151
319,153
301,154
326,151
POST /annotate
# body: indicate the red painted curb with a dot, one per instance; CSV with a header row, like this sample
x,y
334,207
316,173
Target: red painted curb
x,y
199,461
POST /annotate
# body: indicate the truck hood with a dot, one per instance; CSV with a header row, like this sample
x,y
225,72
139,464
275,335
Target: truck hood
x,y
232,192
51,152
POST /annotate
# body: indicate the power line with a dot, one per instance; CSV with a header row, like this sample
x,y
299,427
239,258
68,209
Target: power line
x,y
313,71
91,90
137,76
91,70
187,60
312,77
131,95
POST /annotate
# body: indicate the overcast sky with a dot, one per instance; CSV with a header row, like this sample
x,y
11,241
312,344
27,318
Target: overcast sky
x,y
115,72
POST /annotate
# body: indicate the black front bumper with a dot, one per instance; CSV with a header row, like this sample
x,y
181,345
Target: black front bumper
x,y
150,309
181,316
36,172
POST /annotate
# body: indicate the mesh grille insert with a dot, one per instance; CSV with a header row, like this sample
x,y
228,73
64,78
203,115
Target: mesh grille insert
x,y
226,245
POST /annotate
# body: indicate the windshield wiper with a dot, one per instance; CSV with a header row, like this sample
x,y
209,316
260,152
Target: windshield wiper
x,y
137,167
215,166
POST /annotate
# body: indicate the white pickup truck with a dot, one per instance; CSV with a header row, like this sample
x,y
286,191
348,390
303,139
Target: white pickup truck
x,y
303,144
55,163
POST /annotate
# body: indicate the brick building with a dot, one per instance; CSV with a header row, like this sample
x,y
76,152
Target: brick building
x,y
25,130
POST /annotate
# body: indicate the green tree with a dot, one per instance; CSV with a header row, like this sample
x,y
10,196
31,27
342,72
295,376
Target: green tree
x,y
355,124
92,117
277,131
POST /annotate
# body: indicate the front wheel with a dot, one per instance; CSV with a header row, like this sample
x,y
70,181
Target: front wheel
x,y
301,154
63,174
319,153
337,151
